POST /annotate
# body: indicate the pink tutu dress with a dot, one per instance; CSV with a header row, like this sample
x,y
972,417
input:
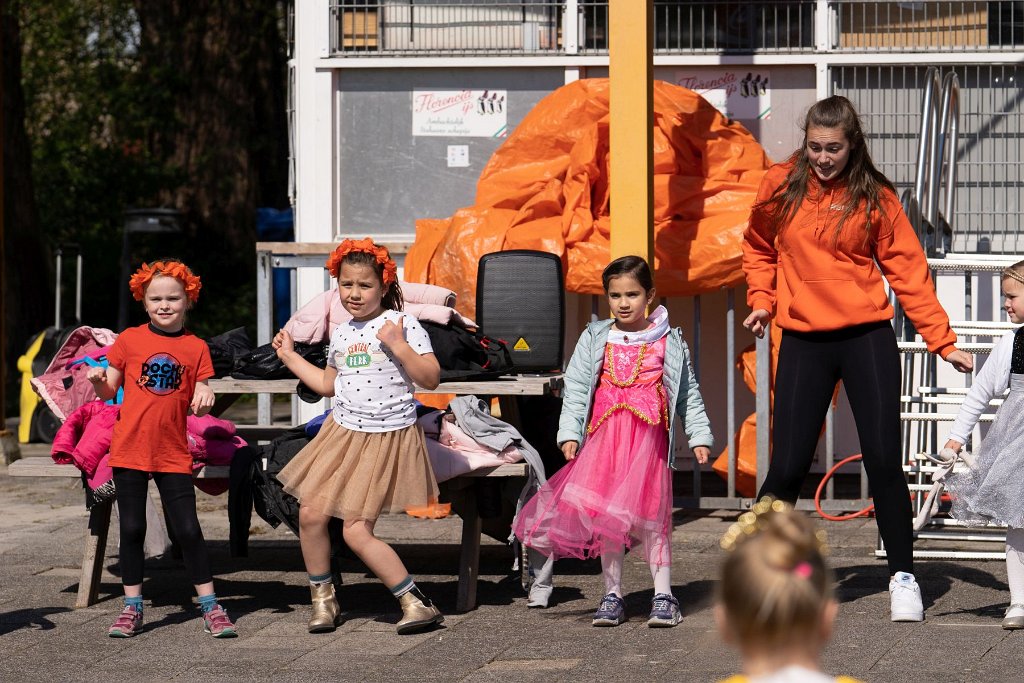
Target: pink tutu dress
x,y
617,492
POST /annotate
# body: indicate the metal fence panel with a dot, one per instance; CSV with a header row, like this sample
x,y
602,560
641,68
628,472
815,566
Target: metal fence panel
x,y
889,26
990,153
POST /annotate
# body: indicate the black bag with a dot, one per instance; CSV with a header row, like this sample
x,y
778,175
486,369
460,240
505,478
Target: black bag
x,y
226,348
263,363
274,505
466,354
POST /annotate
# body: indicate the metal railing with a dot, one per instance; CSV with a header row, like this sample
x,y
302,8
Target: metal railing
x,y
445,27
537,27
698,27
989,180
937,26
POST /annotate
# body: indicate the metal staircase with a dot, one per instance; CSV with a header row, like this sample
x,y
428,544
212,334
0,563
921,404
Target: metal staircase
x,y
928,409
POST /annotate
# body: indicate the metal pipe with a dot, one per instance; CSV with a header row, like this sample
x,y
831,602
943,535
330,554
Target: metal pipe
x,y
60,263
931,88
763,346
730,390
696,374
949,135
78,288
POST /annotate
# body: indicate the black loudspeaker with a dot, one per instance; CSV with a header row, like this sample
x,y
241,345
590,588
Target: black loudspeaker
x,y
520,298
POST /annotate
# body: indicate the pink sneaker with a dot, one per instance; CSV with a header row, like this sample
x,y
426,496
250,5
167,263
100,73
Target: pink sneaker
x,y
128,623
217,623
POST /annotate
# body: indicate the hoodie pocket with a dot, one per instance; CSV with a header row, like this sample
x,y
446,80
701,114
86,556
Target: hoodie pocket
x,y
831,299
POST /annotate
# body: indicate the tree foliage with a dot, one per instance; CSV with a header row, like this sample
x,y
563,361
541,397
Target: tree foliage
x,y
156,104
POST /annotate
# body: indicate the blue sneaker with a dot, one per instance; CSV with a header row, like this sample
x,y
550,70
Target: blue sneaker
x,y
664,611
611,612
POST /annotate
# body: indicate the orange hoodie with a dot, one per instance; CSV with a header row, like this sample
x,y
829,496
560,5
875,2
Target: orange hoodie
x,y
810,283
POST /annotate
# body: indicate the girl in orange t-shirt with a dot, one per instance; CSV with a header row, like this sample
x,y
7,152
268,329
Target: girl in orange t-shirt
x,y
164,369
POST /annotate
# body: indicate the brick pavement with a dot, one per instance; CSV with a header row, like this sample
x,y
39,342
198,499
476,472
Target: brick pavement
x,y
44,639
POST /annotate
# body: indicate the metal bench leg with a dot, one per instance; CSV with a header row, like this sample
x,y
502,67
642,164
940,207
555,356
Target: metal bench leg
x,y
469,559
95,549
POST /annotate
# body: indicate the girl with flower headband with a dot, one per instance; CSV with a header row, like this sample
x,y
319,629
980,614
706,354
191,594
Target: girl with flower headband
x,y
990,489
627,381
370,456
775,600
164,369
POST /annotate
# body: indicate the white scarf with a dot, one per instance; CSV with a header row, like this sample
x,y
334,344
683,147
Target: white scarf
x,y
656,329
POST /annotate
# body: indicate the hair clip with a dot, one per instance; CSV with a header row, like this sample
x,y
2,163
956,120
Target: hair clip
x,y
803,570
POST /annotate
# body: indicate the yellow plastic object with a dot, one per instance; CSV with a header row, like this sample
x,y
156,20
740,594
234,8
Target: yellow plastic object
x,y
547,188
29,398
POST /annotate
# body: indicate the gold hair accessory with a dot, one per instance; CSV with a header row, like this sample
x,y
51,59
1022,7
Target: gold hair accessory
x,y
753,521
1013,274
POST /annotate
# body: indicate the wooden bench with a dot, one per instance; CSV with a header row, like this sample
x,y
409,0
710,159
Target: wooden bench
x,y
469,560
99,525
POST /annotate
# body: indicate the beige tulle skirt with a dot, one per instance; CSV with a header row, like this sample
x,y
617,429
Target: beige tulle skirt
x,y
360,475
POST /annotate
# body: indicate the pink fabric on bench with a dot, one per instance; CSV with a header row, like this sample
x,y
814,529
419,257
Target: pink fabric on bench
x,y
316,320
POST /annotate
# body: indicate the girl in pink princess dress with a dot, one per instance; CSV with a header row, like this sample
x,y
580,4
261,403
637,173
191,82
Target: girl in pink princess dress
x,y
626,382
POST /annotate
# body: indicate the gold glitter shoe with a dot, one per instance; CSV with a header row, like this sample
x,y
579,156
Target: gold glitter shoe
x,y
418,613
326,612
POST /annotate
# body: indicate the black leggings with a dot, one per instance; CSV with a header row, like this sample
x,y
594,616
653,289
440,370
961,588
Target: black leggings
x,y
865,358
179,501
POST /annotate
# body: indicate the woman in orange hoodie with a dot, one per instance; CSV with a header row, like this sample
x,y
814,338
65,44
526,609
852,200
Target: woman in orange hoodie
x,y
824,229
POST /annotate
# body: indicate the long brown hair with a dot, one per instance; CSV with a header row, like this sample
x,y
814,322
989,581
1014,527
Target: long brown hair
x,y
864,183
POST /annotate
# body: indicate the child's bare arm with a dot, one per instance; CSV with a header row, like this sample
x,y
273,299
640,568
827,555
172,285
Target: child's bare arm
x,y
423,369
105,381
202,399
320,381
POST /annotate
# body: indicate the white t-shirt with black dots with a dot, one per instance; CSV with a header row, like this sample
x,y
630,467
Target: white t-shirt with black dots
x,y
373,392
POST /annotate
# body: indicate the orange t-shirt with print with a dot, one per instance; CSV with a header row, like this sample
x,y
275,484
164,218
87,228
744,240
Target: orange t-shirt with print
x,y
160,374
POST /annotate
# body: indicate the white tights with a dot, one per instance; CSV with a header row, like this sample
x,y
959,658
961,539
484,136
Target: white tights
x,y
1015,564
611,568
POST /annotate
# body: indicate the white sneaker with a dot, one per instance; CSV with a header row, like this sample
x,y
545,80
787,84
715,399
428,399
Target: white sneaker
x,y
539,596
905,598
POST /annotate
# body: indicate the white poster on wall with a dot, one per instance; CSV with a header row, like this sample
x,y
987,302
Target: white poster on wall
x,y
460,113
741,94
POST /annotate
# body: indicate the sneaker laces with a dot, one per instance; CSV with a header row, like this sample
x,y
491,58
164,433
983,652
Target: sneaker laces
x,y
609,603
662,604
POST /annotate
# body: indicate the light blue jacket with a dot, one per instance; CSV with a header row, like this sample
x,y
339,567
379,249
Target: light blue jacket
x,y
584,371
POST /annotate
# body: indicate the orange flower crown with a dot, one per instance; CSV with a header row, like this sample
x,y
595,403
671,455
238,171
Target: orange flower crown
x,y
333,265
176,269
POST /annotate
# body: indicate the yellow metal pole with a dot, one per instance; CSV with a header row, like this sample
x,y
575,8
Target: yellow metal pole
x,y
631,70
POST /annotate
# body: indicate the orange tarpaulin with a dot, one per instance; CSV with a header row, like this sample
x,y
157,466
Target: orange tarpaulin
x,y
547,188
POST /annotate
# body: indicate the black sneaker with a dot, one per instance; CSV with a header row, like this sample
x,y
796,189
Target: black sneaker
x,y
611,612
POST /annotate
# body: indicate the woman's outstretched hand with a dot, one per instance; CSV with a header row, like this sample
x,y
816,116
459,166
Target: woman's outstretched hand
x,y
757,321
961,360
